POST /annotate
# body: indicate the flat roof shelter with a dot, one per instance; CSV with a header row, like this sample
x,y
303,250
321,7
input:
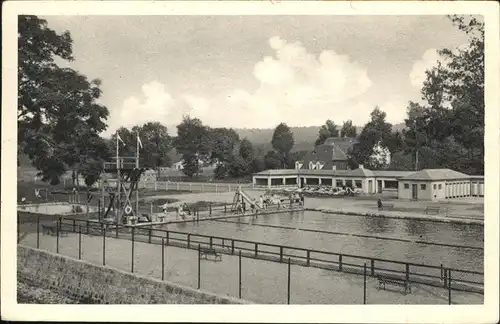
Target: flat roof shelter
x,y
428,184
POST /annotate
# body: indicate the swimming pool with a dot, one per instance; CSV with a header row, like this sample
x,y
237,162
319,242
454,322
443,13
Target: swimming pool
x,y
460,245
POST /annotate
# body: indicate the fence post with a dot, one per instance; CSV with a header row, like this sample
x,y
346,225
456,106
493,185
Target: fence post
x,y
74,225
215,188
449,286
239,276
87,227
256,248
189,239
407,272
151,208
156,188
308,257
210,242
281,254
167,237
372,267
163,259
210,209
103,245
116,227
445,277
133,238
166,186
364,285
150,230
340,262
79,242
38,232
57,230
190,187
288,290
225,208
232,247
199,266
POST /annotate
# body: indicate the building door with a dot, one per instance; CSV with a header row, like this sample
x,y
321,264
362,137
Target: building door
x,y
370,186
414,191
379,186
301,182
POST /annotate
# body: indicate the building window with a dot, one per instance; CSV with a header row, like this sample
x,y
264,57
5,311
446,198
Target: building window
x,y
434,186
439,186
358,183
391,184
407,186
339,183
348,183
423,187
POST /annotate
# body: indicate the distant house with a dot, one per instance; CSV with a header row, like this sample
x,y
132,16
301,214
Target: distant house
x,y
178,165
331,155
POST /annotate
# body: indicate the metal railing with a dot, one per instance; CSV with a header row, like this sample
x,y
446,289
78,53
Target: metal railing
x,y
431,275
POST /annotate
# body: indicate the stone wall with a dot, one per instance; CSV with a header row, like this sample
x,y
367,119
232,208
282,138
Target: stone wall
x,y
87,283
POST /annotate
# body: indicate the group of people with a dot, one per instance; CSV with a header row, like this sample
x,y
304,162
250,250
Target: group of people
x,y
267,200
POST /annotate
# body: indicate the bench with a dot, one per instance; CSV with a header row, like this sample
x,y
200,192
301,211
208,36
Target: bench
x,y
434,209
210,254
382,281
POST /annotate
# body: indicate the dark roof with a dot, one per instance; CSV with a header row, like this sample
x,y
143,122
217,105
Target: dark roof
x,y
436,174
334,149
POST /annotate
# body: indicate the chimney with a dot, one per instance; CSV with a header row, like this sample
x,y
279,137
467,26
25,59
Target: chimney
x,y
361,166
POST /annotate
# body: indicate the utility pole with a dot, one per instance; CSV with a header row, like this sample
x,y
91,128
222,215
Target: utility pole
x,y
416,145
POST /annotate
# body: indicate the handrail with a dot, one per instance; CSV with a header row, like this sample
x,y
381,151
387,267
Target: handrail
x,y
262,244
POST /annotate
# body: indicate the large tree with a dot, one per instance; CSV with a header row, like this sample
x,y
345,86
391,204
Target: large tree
x,y
156,144
451,121
348,129
373,141
283,142
329,129
55,105
193,142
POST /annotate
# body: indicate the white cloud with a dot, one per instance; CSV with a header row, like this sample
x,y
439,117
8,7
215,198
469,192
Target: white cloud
x,y
154,104
427,62
297,87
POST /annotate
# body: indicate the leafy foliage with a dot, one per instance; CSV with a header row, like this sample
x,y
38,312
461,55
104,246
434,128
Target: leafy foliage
x,y
56,106
373,141
194,142
283,142
326,131
348,130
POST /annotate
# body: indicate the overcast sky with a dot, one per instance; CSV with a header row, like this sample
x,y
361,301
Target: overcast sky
x,y
256,71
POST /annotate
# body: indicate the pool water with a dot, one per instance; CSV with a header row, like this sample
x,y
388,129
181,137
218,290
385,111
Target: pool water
x,y
469,255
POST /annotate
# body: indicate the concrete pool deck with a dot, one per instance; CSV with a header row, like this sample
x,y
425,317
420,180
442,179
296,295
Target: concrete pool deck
x,y
262,281
463,211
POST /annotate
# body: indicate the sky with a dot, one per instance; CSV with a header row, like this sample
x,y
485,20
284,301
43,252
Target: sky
x,y
256,71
